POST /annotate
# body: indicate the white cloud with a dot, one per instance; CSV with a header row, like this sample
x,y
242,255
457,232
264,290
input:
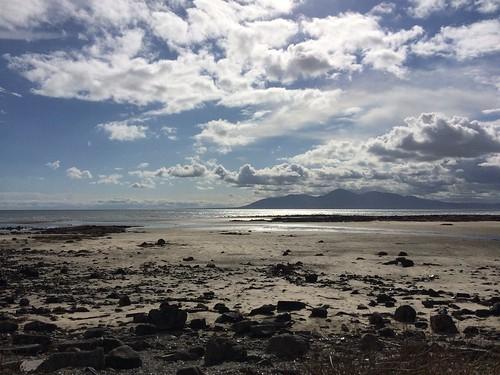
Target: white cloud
x,y
112,179
121,131
170,132
463,42
53,164
143,165
77,174
424,8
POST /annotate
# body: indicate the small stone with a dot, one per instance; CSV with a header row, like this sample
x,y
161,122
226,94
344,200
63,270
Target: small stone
x,y
291,305
124,301
38,326
23,302
311,278
386,332
122,358
471,331
58,361
161,242
495,309
197,324
263,310
229,317
188,259
219,350
376,319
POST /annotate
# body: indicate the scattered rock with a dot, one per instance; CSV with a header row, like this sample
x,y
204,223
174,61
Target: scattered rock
x,y
291,305
39,326
405,314
263,310
122,358
198,324
95,332
443,324
319,312
145,329
495,309
57,361
386,332
220,349
161,242
188,259
287,346
168,318
229,317
311,278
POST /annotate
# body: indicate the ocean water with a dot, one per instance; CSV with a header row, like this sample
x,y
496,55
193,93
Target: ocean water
x,y
193,218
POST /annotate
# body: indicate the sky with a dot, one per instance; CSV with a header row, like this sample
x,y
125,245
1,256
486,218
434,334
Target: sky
x,y
213,103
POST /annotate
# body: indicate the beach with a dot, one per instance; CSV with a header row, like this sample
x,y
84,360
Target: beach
x,y
332,287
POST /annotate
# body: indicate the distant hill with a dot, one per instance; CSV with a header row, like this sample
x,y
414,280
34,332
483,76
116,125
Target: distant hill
x,y
341,198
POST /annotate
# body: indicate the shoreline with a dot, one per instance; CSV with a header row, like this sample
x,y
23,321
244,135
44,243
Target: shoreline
x,y
369,218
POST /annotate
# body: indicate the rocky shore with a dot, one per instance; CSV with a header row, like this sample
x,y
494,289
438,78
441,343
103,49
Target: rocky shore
x,y
107,300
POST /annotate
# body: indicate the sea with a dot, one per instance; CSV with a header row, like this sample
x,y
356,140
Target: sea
x,y
202,218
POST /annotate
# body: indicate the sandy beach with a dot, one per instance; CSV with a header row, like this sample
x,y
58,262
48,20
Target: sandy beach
x,y
350,276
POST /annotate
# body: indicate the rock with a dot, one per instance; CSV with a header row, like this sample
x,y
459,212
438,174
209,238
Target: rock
x,y
287,346
376,319
319,312
402,254
219,350
23,302
471,331
482,313
24,339
405,314
263,310
161,242
197,324
188,259
443,324
95,332
145,329
57,361
495,309
291,305
38,326
221,308
124,301
190,371
192,354
229,317
311,278
8,326
386,332
285,317
384,299
29,272
382,253
370,342
168,318
405,262
242,326
421,324
122,358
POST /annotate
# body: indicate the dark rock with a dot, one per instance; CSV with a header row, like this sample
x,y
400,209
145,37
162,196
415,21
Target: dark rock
x,y
145,329
386,332
229,317
319,312
384,298
242,326
57,361
124,301
38,326
443,324
495,309
405,314
221,308
285,317
29,272
95,332
192,354
122,358
382,253
190,371
263,310
405,262
219,350
24,339
23,302
198,324
421,324
482,313
290,305
161,242
8,326
168,318
287,346
403,254
376,319
311,278
471,331
188,259
370,342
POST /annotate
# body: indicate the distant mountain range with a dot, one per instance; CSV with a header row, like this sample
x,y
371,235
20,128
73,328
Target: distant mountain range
x,y
341,198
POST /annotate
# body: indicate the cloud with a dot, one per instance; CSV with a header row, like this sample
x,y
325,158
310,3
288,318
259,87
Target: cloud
x,y
143,165
189,170
463,42
7,92
112,179
53,164
121,131
77,174
170,132
424,8
432,136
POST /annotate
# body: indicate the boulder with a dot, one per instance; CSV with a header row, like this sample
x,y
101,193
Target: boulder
x,y
57,361
229,317
443,324
495,309
161,242
405,314
219,350
24,339
287,346
122,358
376,319
311,278
197,324
124,301
319,312
168,318
145,329
95,332
263,310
